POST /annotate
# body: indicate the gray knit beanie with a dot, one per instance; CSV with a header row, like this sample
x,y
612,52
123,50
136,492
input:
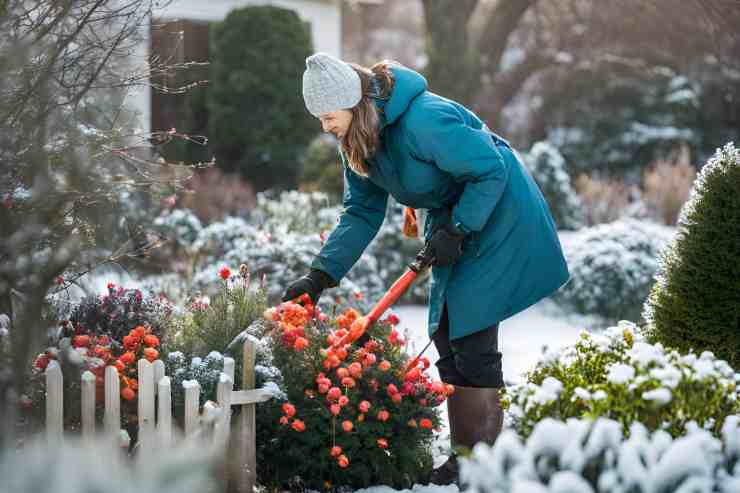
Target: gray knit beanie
x,y
329,84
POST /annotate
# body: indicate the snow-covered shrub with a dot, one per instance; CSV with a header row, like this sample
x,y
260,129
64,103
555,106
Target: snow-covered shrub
x,y
695,301
584,456
612,267
76,467
205,371
180,225
620,376
548,168
293,211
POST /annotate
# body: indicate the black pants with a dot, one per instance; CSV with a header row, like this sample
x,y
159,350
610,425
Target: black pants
x,y
470,361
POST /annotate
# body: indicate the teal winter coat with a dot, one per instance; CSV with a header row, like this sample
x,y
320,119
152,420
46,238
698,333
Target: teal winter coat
x,y
437,155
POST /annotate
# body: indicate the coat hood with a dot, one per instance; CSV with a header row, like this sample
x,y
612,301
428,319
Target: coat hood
x,y
408,84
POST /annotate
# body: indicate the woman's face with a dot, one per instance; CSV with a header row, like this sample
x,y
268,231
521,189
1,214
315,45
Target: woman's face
x,y
336,122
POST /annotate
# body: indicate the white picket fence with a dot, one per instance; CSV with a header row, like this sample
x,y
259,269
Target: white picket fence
x,y
154,390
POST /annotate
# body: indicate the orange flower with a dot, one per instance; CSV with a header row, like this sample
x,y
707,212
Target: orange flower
x,y
300,344
342,372
224,273
130,342
342,353
343,461
335,393
128,393
298,425
42,362
323,389
412,423
151,340
426,423
151,354
120,365
396,398
355,369
127,358
348,382
364,406
391,389
335,450
369,360
449,389
343,400
289,409
347,425
360,418
383,415
140,331
384,365
335,409
283,420
382,443
81,341
133,383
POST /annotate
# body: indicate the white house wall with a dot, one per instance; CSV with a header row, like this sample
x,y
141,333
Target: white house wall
x,y
324,17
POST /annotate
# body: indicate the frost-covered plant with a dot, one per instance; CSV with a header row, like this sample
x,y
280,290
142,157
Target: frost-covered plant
x,y
205,371
620,376
295,211
180,225
612,267
76,467
696,299
550,172
584,456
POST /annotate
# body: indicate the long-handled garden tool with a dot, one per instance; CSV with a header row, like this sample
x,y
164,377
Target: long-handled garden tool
x,y
422,262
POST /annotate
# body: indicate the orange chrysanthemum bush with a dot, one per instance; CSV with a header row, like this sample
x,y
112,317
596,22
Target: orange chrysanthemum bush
x,y
355,414
114,329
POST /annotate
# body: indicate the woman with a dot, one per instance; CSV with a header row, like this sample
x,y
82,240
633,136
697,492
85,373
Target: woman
x,y
488,226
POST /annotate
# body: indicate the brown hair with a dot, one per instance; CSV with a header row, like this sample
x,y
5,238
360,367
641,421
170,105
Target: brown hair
x,y
361,140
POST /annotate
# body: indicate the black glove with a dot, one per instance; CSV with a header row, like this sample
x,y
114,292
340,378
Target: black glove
x,y
445,245
313,283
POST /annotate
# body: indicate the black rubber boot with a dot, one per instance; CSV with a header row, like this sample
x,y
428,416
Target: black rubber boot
x,y
475,415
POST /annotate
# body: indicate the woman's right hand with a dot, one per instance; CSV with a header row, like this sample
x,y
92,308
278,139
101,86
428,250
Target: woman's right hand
x,y
312,283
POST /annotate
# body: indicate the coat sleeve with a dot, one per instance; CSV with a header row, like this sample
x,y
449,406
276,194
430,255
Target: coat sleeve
x,y
441,136
364,211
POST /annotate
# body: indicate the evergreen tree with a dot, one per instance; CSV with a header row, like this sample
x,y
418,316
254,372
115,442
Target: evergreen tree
x,y
695,302
257,120
549,171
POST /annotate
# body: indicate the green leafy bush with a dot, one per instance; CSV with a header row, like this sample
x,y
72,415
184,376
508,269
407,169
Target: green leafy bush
x,y
619,376
257,121
354,415
695,302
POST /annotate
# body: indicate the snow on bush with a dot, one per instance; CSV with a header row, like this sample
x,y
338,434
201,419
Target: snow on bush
x,y
612,268
281,240
181,225
584,456
548,168
619,376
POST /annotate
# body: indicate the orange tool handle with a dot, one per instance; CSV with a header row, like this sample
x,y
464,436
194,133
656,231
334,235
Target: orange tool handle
x,y
423,260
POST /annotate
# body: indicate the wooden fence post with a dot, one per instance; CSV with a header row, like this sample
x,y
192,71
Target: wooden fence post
x,y
146,404
88,407
246,431
192,405
164,412
112,417
54,403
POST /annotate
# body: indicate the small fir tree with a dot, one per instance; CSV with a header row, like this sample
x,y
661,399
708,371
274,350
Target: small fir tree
x,y
695,302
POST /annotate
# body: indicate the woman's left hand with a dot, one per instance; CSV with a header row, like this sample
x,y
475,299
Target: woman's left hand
x,y
445,245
